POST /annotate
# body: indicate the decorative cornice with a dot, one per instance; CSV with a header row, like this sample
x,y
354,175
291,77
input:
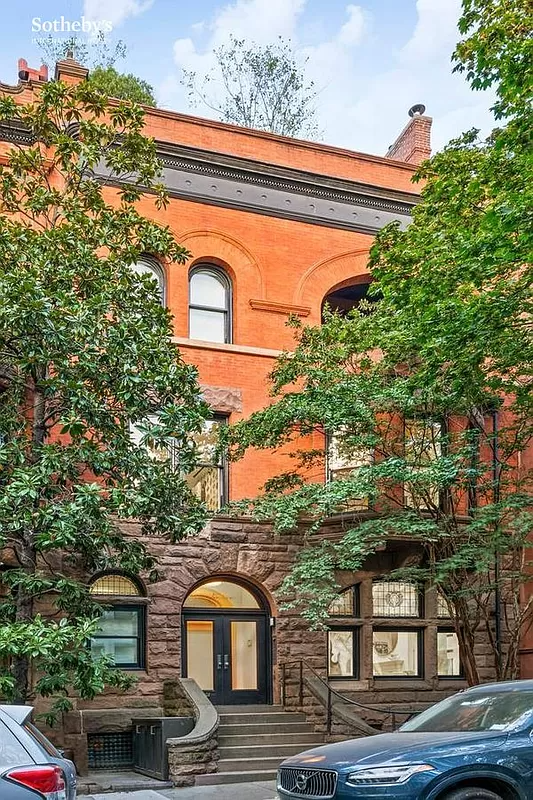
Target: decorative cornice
x,y
15,132
259,173
242,184
280,308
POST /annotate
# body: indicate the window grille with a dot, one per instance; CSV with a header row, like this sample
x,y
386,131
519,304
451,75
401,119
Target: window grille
x,y
115,585
395,599
110,750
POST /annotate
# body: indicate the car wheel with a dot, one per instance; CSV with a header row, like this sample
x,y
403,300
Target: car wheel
x,y
472,793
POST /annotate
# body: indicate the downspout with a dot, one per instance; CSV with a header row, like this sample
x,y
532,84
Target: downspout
x,y
496,499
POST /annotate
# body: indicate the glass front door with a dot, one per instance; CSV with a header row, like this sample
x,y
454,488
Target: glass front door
x,y
226,654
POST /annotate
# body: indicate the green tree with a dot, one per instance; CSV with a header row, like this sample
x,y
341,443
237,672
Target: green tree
x,y
434,379
85,354
259,87
123,86
101,57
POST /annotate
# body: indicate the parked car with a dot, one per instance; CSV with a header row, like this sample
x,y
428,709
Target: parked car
x,y
30,766
475,745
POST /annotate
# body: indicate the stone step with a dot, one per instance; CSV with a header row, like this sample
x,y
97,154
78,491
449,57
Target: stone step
x,y
217,778
256,729
263,751
239,740
266,717
270,764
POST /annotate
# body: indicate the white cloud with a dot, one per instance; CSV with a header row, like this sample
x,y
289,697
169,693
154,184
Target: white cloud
x,y
116,11
363,95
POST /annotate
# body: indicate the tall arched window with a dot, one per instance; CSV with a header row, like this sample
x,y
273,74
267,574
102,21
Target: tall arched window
x,y
209,304
122,626
151,267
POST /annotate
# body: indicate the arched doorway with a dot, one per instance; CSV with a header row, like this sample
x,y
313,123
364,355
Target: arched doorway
x,y
226,641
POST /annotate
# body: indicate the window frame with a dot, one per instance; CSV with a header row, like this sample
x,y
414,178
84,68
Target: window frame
x,y
458,676
419,594
409,496
140,610
221,275
223,468
159,274
419,630
355,590
360,504
355,630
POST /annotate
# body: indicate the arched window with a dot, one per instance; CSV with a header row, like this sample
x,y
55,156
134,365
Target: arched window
x,y
221,594
121,633
209,304
151,267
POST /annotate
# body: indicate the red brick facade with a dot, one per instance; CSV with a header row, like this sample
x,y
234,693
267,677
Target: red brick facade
x,y
287,221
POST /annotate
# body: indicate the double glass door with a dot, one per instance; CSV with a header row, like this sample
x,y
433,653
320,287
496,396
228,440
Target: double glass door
x,y
226,654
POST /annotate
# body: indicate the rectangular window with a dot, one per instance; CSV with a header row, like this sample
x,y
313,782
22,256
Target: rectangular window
x,y
395,599
448,661
423,446
121,636
342,462
208,479
396,653
342,653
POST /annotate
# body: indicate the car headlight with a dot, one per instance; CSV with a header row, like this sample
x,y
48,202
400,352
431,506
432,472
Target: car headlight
x,y
397,773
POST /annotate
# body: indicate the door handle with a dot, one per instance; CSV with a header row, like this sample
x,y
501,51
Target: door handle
x,y
219,661
226,661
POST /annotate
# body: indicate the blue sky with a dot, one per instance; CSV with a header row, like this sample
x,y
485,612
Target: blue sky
x,y
370,60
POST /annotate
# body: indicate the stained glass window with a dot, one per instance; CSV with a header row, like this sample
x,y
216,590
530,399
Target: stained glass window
x,y
395,599
114,584
344,604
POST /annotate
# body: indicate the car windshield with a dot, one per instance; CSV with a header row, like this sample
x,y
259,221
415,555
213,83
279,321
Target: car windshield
x,y
476,711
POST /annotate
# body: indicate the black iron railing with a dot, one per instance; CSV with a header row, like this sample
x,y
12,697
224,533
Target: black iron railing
x,y
388,712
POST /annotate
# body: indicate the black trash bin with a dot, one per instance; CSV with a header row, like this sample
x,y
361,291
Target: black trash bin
x,y
149,743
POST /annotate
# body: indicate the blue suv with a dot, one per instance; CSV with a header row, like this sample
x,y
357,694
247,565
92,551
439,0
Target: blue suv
x,y
475,745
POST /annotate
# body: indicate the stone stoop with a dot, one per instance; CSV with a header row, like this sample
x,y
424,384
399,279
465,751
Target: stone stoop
x,y
254,740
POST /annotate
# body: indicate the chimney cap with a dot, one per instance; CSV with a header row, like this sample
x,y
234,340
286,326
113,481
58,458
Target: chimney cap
x,y
417,110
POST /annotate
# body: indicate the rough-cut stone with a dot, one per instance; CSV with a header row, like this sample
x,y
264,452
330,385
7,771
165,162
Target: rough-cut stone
x,y
251,552
185,762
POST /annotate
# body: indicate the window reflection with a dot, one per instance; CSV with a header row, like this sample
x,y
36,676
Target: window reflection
x,y
395,653
448,662
341,654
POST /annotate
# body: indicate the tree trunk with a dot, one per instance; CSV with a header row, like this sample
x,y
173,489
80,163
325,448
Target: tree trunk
x,y
26,551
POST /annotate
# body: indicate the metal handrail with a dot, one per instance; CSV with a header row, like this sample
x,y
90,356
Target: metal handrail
x,y
330,691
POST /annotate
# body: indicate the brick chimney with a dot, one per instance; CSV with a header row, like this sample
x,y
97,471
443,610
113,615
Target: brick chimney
x,y
413,145
70,71
26,73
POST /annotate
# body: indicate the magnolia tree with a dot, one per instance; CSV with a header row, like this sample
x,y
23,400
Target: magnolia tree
x,y
85,354
424,393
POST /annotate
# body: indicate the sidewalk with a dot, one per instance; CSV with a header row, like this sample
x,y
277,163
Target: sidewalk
x,y
233,791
